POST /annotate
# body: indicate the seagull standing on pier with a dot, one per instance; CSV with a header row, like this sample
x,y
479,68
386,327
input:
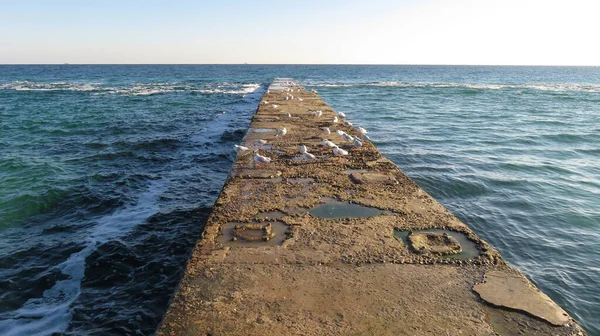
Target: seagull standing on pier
x,y
316,114
275,105
308,156
361,130
239,148
302,149
347,123
259,159
282,132
337,151
341,114
260,142
328,143
289,115
335,120
357,143
347,137
365,137
326,130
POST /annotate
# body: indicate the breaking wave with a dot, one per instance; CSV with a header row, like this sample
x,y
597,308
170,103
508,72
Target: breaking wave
x,y
556,87
135,89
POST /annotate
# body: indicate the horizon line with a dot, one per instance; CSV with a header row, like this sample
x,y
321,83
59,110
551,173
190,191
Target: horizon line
x,y
325,64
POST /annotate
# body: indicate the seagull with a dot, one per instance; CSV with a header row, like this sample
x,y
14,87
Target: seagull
x,y
347,123
302,149
326,130
275,105
299,99
268,91
341,114
365,137
335,120
347,137
337,151
340,132
328,143
239,148
289,115
316,113
260,142
362,130
357,143
261,159
308,155
264,102
282,132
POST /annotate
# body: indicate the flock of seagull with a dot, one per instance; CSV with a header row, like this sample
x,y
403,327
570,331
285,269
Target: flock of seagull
x,y
302,149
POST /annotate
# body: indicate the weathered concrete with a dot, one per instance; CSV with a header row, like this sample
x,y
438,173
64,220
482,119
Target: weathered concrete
x,y
515,292
347,276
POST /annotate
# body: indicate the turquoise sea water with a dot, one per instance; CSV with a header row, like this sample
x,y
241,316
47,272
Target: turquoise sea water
x,y
107,172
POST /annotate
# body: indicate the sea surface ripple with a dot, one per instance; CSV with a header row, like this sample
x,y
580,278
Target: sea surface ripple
x,y
108,173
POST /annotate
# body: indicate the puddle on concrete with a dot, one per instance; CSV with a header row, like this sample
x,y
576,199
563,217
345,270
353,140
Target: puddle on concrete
x,y
253,234
270,215
261,130
469,249
333,209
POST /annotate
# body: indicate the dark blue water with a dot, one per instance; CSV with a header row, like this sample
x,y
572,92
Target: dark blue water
x,y
107,174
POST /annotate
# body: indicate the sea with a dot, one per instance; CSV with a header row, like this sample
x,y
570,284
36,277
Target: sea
x,y
108,173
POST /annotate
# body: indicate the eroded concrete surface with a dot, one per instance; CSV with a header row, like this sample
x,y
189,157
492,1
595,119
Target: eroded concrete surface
x,y
347,276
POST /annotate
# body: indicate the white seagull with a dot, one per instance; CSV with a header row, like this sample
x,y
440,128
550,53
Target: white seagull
x,y
357,143
328,143
337,151
362,130
340,132
289,115
308,155
282,132
326,130
239,148
347,137
347,123
365,137
302,149
261,159
275,105
316,114
335,120
341,114
260,142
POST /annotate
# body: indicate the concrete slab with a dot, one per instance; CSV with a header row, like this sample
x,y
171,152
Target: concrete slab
x,y
514,291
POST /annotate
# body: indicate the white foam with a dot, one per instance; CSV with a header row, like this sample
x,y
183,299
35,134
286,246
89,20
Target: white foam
x,y
51,313
137,89
555,87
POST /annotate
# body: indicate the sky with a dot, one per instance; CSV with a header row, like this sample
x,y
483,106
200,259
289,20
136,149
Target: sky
x,y
486,32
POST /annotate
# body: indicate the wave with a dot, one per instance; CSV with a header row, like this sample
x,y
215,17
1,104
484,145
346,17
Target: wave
x,y
135,89
50,313
553,87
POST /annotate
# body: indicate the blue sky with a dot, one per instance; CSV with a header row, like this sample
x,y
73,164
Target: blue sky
x,y
532,32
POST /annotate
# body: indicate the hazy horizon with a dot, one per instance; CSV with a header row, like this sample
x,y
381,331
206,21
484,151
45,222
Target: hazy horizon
x,y
386,32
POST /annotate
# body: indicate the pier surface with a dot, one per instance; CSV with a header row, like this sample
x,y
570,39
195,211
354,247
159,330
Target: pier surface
x,y
342,245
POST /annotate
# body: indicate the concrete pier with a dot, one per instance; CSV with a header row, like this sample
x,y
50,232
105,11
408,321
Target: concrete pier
x,y
342,245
